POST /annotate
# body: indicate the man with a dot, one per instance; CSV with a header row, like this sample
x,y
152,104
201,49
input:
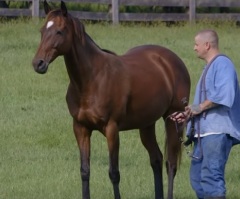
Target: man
x,y
216,114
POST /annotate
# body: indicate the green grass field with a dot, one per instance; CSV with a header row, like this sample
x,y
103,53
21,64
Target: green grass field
x,y
39,157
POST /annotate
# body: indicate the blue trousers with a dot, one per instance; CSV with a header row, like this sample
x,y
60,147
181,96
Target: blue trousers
x,y
208,164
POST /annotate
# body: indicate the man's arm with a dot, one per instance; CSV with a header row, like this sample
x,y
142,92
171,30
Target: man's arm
x,y
199,108
192,110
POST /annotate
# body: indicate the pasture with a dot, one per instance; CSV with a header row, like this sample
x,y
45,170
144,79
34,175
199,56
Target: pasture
x,y
39,157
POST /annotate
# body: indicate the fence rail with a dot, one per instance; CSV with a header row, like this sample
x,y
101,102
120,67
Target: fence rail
x,y
116,16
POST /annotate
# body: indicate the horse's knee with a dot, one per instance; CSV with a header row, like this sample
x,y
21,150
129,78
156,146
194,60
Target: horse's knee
x,y
156,159
114,175
156,165
171,168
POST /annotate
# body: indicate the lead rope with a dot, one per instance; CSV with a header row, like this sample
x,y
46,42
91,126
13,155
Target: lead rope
x,y
181,140
188,142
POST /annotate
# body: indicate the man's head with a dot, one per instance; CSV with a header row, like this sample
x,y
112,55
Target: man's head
x,y
206,44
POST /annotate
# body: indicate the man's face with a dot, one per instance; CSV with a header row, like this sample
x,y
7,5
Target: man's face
x,y
200,47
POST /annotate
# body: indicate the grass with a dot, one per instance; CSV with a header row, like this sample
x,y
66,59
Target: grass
x,y
39,155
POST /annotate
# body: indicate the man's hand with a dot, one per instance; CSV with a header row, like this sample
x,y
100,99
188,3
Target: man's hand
x,y
181,117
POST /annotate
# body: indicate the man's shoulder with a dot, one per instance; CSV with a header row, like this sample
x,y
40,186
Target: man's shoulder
x,y
223,57
223,61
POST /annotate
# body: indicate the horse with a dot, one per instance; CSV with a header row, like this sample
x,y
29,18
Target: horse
x,y
110,93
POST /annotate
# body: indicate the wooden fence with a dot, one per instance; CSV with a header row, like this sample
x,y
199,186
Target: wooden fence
x,y
116,16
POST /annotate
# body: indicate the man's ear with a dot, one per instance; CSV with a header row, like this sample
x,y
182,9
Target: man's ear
x,y
208,45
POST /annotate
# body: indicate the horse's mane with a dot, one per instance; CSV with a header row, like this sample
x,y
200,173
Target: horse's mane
x,y
109,51
81,28
105,50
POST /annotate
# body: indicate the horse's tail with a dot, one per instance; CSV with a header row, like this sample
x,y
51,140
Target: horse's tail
x,y
173,141
174,136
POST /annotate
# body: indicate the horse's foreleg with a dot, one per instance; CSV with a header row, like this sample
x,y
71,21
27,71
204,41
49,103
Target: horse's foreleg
x,y
112,135
149,141
83,135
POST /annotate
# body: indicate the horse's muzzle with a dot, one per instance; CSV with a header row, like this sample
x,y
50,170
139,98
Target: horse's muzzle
x,y
40,66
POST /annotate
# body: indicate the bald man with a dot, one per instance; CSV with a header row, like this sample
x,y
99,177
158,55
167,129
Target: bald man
x,y
216,113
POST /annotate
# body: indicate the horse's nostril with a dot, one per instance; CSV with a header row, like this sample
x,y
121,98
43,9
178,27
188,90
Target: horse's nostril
x,y
41,66
40,63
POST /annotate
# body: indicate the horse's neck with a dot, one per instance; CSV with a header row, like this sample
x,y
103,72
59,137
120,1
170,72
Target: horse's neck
x,y
80,61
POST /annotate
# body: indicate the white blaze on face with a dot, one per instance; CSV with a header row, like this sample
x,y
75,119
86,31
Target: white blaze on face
x,y
49,24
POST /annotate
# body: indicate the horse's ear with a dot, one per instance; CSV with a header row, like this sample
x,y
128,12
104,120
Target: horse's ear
x,y
63,8
47,8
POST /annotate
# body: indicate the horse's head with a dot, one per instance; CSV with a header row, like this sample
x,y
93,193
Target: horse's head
x,y
56,37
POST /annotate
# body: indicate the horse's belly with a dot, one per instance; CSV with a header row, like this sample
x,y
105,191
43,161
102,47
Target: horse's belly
x,y
142,117
136,123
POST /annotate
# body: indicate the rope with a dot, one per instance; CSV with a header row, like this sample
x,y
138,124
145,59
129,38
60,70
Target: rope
x,y
186,143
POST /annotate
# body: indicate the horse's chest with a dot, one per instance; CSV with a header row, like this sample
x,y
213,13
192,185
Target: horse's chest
x,y
88,112
91,117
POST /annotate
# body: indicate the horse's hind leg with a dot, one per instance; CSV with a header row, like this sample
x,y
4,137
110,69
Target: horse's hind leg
x,y
149,141
173,152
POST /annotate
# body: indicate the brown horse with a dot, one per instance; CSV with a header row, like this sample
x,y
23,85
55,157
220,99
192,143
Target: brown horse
x,y
111,93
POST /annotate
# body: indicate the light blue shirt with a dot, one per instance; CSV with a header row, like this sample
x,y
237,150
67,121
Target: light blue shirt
x,y
222,88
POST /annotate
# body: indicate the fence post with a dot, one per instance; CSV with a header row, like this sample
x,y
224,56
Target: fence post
x,y
35,8
115,12
192,11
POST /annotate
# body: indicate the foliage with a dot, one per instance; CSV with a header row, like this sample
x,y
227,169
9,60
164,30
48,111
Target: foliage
x,y
39,155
